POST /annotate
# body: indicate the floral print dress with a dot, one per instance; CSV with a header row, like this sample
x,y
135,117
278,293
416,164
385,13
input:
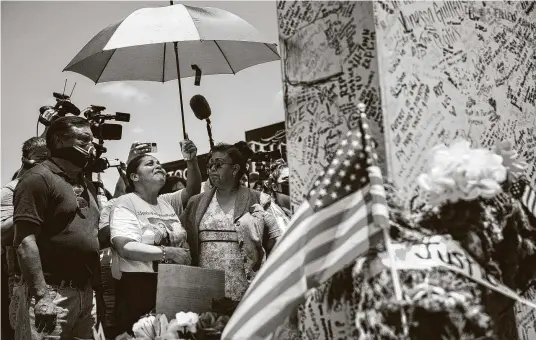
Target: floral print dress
x,y
219,249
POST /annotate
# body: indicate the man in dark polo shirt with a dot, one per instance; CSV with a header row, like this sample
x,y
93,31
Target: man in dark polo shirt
x,y
56,230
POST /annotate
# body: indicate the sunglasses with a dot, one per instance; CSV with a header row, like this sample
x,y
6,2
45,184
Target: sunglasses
x,y
81,203
217,164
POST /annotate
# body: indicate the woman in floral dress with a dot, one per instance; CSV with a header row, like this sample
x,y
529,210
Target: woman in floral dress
x,y
228,228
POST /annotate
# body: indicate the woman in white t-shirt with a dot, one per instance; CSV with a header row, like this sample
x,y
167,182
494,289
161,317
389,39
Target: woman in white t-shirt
x,y
145,230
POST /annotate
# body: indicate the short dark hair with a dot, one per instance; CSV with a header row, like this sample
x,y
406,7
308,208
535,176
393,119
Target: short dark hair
x,y
31,144
63,128
239,153
171,181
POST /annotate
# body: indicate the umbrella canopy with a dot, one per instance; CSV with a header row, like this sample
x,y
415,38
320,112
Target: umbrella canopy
x,y
141,46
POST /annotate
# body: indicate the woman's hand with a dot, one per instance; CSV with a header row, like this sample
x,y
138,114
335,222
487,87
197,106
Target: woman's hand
x,y
179,255
138,148
189,150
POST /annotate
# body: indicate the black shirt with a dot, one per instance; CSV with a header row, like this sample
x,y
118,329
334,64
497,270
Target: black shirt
x,y
68,238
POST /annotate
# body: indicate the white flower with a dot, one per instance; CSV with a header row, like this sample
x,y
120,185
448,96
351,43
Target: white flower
x,y
461,173
144,328
187,321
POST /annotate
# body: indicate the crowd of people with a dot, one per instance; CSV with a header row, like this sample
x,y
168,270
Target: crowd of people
x,y
72,260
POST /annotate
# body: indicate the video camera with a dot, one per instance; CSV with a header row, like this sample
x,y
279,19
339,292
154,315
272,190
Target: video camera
x,y
101,164
94,114
47,113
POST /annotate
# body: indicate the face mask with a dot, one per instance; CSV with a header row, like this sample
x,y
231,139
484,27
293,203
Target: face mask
x,y
76,155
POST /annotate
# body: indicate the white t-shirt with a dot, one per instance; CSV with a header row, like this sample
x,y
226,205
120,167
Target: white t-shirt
x,y
140,221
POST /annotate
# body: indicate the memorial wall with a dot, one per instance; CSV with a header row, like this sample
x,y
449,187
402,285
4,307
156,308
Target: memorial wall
x,y
455,69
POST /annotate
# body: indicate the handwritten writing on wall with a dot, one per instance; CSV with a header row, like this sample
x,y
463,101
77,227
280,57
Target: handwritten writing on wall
x,y
455,69
526,317
329,66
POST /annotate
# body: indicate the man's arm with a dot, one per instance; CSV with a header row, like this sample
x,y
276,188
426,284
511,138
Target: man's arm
x,y
30,261
7,232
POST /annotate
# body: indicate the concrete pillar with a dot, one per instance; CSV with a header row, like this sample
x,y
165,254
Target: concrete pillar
x,y
329,65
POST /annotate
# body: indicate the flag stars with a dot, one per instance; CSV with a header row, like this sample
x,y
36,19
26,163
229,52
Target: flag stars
x,y
344,142
355,143
337,184
351,153
363,179
347,188
342,173
335,161
357,166
318,203
365,126
327,181
353,177
333,195
331,171
323,192
312,193
339,152
346,163
349,133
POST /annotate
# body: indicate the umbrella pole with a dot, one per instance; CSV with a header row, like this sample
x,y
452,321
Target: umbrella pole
x,y
180,87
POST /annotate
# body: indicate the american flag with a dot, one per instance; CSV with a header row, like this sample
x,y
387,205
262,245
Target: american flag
x,y
524,192
343,215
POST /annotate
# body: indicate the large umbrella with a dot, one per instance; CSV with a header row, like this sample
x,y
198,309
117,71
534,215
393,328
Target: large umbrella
x,y
165,43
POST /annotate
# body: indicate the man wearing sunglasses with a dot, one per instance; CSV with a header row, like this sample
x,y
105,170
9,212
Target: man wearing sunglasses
x,y
56,234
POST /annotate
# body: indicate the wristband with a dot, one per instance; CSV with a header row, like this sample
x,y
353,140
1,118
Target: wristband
x,y
163,260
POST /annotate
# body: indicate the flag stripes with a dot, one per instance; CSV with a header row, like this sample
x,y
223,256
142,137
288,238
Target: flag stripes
x,y
529,199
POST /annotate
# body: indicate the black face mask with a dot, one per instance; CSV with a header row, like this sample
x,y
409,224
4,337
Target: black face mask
x,y
75,154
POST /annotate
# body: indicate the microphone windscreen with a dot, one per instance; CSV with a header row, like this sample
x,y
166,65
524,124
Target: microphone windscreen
x,y
200,107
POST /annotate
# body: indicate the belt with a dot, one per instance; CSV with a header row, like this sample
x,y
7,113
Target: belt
x,y
56,280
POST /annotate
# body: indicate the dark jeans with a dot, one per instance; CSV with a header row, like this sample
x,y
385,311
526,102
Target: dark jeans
x,y
135,296
75,313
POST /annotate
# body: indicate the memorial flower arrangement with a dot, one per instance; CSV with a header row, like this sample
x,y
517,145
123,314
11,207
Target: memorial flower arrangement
x,y
469,200
185,325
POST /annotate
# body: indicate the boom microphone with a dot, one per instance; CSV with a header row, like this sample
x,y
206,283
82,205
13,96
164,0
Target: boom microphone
x,y
200,107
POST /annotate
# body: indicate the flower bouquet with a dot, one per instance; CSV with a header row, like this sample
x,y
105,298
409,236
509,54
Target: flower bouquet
x,y
185,326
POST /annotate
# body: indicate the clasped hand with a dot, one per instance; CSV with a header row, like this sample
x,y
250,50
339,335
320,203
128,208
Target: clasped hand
x,y
179,255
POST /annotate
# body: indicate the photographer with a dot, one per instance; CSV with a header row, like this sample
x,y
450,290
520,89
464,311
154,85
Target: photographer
x,y
56,230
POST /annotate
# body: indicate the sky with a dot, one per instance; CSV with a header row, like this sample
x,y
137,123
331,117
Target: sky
x,y
38,39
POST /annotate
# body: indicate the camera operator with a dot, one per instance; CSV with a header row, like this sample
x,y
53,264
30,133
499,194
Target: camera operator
x,y
34,151
56,230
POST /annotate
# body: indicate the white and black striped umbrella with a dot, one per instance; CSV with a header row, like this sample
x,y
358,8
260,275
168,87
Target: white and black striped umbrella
x,y
165,43
141,46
